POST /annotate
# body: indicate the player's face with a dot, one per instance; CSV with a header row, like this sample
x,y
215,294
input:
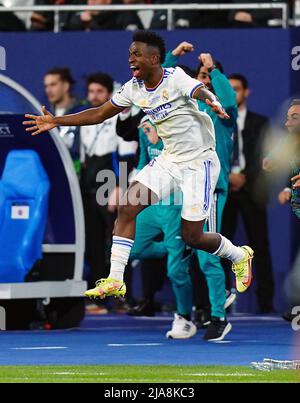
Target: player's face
x,y
142,59
293,119
55,88
150,132
97,94
240,92
204,77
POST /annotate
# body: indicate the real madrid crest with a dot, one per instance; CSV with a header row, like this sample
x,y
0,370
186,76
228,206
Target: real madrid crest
x,y
165,95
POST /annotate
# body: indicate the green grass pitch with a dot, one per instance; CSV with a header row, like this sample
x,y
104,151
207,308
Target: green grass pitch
x,y
132,373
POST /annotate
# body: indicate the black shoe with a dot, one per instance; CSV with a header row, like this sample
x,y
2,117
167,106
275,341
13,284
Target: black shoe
x,y
217,330
202,318
144,308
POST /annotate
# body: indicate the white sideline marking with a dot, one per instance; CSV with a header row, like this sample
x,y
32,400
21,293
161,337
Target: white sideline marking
x,y
219,374
237,318
76,373
39,348
220,341
134,344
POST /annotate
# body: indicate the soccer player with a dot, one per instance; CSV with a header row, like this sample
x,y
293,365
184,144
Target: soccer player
x,y
189,161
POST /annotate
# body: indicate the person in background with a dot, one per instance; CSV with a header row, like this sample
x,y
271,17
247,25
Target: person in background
x,y
210,72
44,20
190,19
10,22
104,19
246,18
249,192
285,156
58,83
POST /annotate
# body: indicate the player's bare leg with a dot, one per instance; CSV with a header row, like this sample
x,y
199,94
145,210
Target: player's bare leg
x,y
241,257
137,198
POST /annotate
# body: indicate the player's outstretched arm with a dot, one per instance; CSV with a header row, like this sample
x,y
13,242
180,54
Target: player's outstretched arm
x,y
40,124
203,94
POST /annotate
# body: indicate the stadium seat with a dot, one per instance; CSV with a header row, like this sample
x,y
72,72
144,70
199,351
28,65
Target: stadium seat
x,y
24,190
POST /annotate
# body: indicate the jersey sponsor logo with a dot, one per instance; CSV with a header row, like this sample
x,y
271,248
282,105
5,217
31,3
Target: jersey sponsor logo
x,y
160,112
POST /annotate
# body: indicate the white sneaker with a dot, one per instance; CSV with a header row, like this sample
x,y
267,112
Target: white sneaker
x,y
181,328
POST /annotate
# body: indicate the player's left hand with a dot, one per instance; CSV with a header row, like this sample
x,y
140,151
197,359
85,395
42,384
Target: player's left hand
x,y
296,179
217,108
39,124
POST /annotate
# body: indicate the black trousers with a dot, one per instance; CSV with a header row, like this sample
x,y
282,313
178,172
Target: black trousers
x,y
99,224
255,221
153,276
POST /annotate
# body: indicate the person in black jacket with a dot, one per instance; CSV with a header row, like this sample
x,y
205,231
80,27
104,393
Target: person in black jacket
x,y
107,20
249,192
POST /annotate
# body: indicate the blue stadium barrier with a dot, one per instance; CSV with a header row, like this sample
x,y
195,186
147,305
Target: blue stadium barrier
x,y
24,190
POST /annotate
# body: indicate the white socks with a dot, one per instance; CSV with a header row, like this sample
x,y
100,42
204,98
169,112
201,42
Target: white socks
x,y
229,251
120,252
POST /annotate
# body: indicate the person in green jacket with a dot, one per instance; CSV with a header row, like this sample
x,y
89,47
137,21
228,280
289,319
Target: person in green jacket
x,y
165,218
211,74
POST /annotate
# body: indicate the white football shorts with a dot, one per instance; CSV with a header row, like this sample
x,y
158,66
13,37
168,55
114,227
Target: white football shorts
x,y
196,180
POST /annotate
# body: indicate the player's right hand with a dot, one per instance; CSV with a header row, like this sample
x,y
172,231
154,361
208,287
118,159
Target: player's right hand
x,y
217,108
182,49
284,196
39,124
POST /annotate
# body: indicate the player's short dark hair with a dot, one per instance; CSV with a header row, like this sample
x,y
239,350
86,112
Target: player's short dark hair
x,y
63,72
241,78
294,102
151,39
103,79
216,63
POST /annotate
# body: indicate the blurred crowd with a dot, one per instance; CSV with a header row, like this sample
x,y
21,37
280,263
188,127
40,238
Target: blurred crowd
x,y
132,20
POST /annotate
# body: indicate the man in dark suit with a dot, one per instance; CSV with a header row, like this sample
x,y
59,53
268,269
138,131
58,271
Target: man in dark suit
x,y
248,194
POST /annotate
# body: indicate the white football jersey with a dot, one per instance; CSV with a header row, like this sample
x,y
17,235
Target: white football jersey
x,y
185,131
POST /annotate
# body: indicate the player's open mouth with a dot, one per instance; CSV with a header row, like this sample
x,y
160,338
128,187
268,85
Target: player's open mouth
x,y
135,70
